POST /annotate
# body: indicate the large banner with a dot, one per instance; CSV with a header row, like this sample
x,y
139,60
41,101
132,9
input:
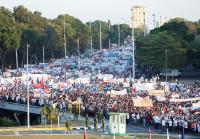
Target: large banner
x,y
156,93
185,100
143,86
113,92
142,102
84,80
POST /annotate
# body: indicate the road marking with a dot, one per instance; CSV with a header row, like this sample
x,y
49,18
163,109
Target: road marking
x,y
16,133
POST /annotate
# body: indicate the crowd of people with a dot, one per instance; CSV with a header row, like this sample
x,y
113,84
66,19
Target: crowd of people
x,y
94,97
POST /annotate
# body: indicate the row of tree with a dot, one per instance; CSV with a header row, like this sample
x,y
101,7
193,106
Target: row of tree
x,y
22,26
179,37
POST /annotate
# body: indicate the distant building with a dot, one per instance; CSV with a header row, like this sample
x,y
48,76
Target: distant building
x,y
139,15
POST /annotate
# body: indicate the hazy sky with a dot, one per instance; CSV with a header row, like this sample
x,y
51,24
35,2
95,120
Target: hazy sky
x,y
115,10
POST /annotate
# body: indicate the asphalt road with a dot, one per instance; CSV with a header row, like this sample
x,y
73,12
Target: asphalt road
x,y
131,130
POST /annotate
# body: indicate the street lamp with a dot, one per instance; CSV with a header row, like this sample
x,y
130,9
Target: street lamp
x,y
154,21
119,35
65,41
90,35
133,45
109,33
43,53
100,43
28,111
166,65
16,55
144,23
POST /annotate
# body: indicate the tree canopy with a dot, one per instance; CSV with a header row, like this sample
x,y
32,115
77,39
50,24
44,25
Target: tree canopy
x,y
178,37
22,26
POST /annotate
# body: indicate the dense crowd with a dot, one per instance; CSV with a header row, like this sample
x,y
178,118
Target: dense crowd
x,y
94,97
174,115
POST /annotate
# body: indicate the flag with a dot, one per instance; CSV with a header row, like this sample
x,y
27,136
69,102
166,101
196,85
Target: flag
x,y
182,135
149,134
167,134
85,133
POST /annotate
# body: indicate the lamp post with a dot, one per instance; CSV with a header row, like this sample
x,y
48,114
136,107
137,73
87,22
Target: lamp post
x,y
166,65
109,33
100,43
78,51
28,111
16,55
133,45
43,53
154,21
65,40
119,35
144,16
90,35
160,21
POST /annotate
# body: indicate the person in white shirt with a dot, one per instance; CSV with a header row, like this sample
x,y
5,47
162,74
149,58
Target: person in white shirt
x,y
185,125
170,124
163,123
133,118
175,124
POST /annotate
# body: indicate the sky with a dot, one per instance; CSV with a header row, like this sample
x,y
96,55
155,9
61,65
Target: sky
x,y
118,11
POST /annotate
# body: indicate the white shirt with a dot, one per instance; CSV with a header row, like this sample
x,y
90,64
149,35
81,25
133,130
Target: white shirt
x,y
170,122
175,122
163,122
185,124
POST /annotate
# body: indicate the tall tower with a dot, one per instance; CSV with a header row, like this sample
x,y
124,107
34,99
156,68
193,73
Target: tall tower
x,y
139,14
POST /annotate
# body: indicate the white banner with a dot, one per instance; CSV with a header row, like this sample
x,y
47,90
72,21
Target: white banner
x,y
122,92
184,100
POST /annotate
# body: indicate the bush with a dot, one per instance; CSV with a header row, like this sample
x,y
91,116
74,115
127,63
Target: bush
x,y
7,122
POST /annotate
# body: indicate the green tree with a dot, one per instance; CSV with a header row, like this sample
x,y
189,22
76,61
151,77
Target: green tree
x,y
51,114
193,52
151,51
10,36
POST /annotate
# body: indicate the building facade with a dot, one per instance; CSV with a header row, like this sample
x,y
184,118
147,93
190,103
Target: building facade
x,y
139,16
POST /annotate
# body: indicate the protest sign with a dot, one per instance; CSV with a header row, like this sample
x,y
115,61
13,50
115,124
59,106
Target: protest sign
x,y
142,102
156,92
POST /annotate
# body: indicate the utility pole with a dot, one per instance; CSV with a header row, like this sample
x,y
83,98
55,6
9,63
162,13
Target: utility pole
x,y
160,20
90,35
43,53
16,55
78,51
119,35
166,65
100,43
133,45
65,40
154,21
109,34
144,24
28,111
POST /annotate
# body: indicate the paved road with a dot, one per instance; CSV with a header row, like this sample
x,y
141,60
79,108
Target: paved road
x,y
131,130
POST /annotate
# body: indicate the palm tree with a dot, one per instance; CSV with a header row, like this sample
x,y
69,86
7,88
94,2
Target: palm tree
x,y
45,111
51,114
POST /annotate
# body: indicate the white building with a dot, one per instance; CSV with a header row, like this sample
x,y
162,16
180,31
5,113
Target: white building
x,y
139,15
